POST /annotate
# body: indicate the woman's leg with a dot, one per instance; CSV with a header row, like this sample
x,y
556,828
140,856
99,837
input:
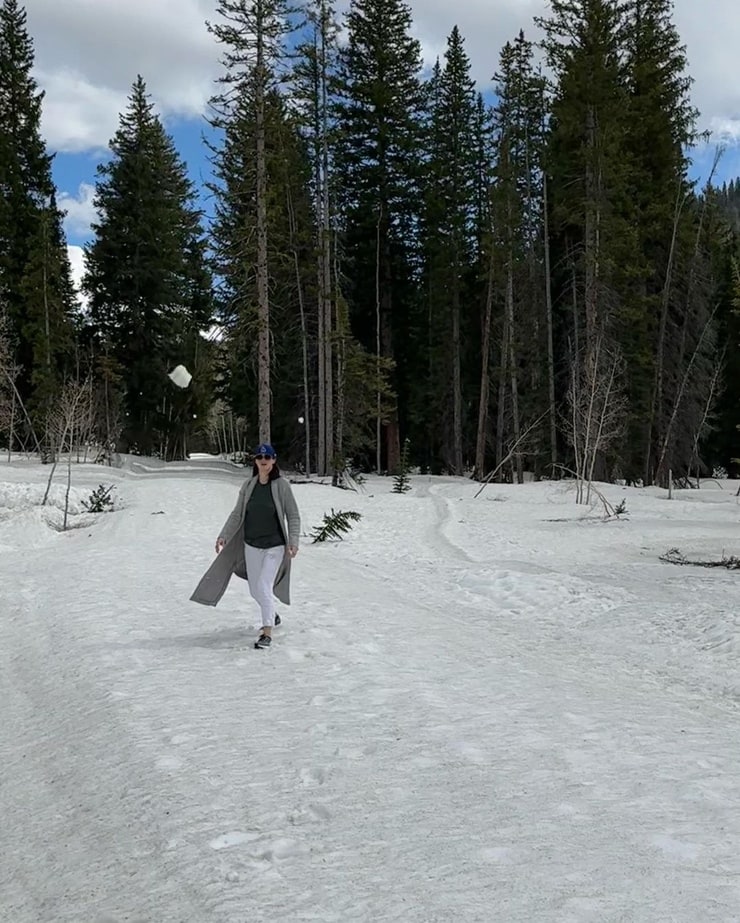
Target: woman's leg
x,y
262,567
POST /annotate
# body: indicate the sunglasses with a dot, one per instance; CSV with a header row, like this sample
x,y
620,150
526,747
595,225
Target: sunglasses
x,y
264,457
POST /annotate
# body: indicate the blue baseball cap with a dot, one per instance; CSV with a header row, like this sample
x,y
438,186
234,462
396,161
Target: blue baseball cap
x,y
265,449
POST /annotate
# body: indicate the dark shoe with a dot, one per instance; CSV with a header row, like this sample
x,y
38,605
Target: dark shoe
x,y
278,620
262,642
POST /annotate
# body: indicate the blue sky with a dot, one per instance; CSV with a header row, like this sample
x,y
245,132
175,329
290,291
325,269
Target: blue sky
x,y
89,52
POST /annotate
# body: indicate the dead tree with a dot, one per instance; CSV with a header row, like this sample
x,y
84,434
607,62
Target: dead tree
x,y
596,409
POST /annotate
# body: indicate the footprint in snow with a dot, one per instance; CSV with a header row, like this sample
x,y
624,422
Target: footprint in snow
x,y
235,838
311,814
311,777
169,763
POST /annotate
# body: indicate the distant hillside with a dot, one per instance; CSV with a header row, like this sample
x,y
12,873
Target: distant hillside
x,y
728,198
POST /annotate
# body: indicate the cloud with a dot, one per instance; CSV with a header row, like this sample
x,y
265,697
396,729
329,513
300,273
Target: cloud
x,y
711,42
89,53
81,211
77,262
78,116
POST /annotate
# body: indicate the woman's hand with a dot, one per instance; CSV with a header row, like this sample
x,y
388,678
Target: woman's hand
x,y
292,551
219,545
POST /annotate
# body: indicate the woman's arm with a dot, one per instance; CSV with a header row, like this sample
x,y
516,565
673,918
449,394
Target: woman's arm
x,y
291,513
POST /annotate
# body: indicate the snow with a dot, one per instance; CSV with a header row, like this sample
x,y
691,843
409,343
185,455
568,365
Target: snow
x,y
482,709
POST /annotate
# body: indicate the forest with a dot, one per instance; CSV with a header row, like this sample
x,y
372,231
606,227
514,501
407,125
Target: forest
x,y
397,267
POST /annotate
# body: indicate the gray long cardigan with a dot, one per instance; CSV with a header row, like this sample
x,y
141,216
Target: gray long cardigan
x,y
230,561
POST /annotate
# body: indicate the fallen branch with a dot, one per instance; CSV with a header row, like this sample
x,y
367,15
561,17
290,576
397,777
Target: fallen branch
x,y
675,556
511,451
610,512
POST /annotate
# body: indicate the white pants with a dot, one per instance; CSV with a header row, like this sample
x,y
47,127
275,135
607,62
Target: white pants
x,y
262,567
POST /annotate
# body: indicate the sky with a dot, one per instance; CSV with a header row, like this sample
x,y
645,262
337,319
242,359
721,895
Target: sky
x,y
89,53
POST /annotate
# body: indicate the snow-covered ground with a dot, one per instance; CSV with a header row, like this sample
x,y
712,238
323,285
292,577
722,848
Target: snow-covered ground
x,y
484,709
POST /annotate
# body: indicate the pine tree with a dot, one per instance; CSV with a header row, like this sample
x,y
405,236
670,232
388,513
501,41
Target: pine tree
x,y
518,212
401,479
664,216
450,241
291,265
314,76
146,279
592,238
335,525
379,124
35,282
47,290
583,41
253,34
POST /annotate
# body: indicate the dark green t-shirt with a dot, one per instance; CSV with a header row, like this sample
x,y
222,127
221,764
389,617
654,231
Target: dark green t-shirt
x,y
261,524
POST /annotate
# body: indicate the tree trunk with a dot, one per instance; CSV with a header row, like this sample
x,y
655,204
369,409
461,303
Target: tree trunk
x,y
656,400
304,331
500,416
457,426
590,234
550,344
485,378
512,358
263,295
378,325
11,436
342,334
326,284
321,462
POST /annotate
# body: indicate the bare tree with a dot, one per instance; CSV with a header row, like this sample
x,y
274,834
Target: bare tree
x,y
11,403
66,422
704,425
596,409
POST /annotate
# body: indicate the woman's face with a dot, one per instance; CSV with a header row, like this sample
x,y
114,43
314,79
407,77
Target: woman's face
x,y
265,463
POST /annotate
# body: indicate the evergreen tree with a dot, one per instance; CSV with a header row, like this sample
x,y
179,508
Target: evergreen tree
x,y
401,479
253,34
728,202
583,43
379,128
518,212
35,284
49,299
314,76
664,215
148,288
291,262
450,245
592,238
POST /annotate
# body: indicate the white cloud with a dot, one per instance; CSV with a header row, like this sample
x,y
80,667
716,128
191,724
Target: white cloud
x,y
725,130
78,116
711,33
80,210
89,52
77,262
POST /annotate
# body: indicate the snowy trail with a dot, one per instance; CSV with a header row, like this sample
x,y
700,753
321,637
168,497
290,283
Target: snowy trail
x,y
434,736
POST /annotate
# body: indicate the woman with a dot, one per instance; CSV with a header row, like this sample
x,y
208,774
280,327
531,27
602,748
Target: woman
x,y
257,543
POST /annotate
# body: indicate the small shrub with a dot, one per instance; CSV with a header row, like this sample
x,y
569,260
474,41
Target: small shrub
x,y
100,500
335,525
401,480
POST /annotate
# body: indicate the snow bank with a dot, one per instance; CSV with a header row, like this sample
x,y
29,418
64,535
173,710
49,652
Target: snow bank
x,y
28,496
26,523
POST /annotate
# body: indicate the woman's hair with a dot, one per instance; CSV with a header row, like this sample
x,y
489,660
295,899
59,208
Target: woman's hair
x,y
274,471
